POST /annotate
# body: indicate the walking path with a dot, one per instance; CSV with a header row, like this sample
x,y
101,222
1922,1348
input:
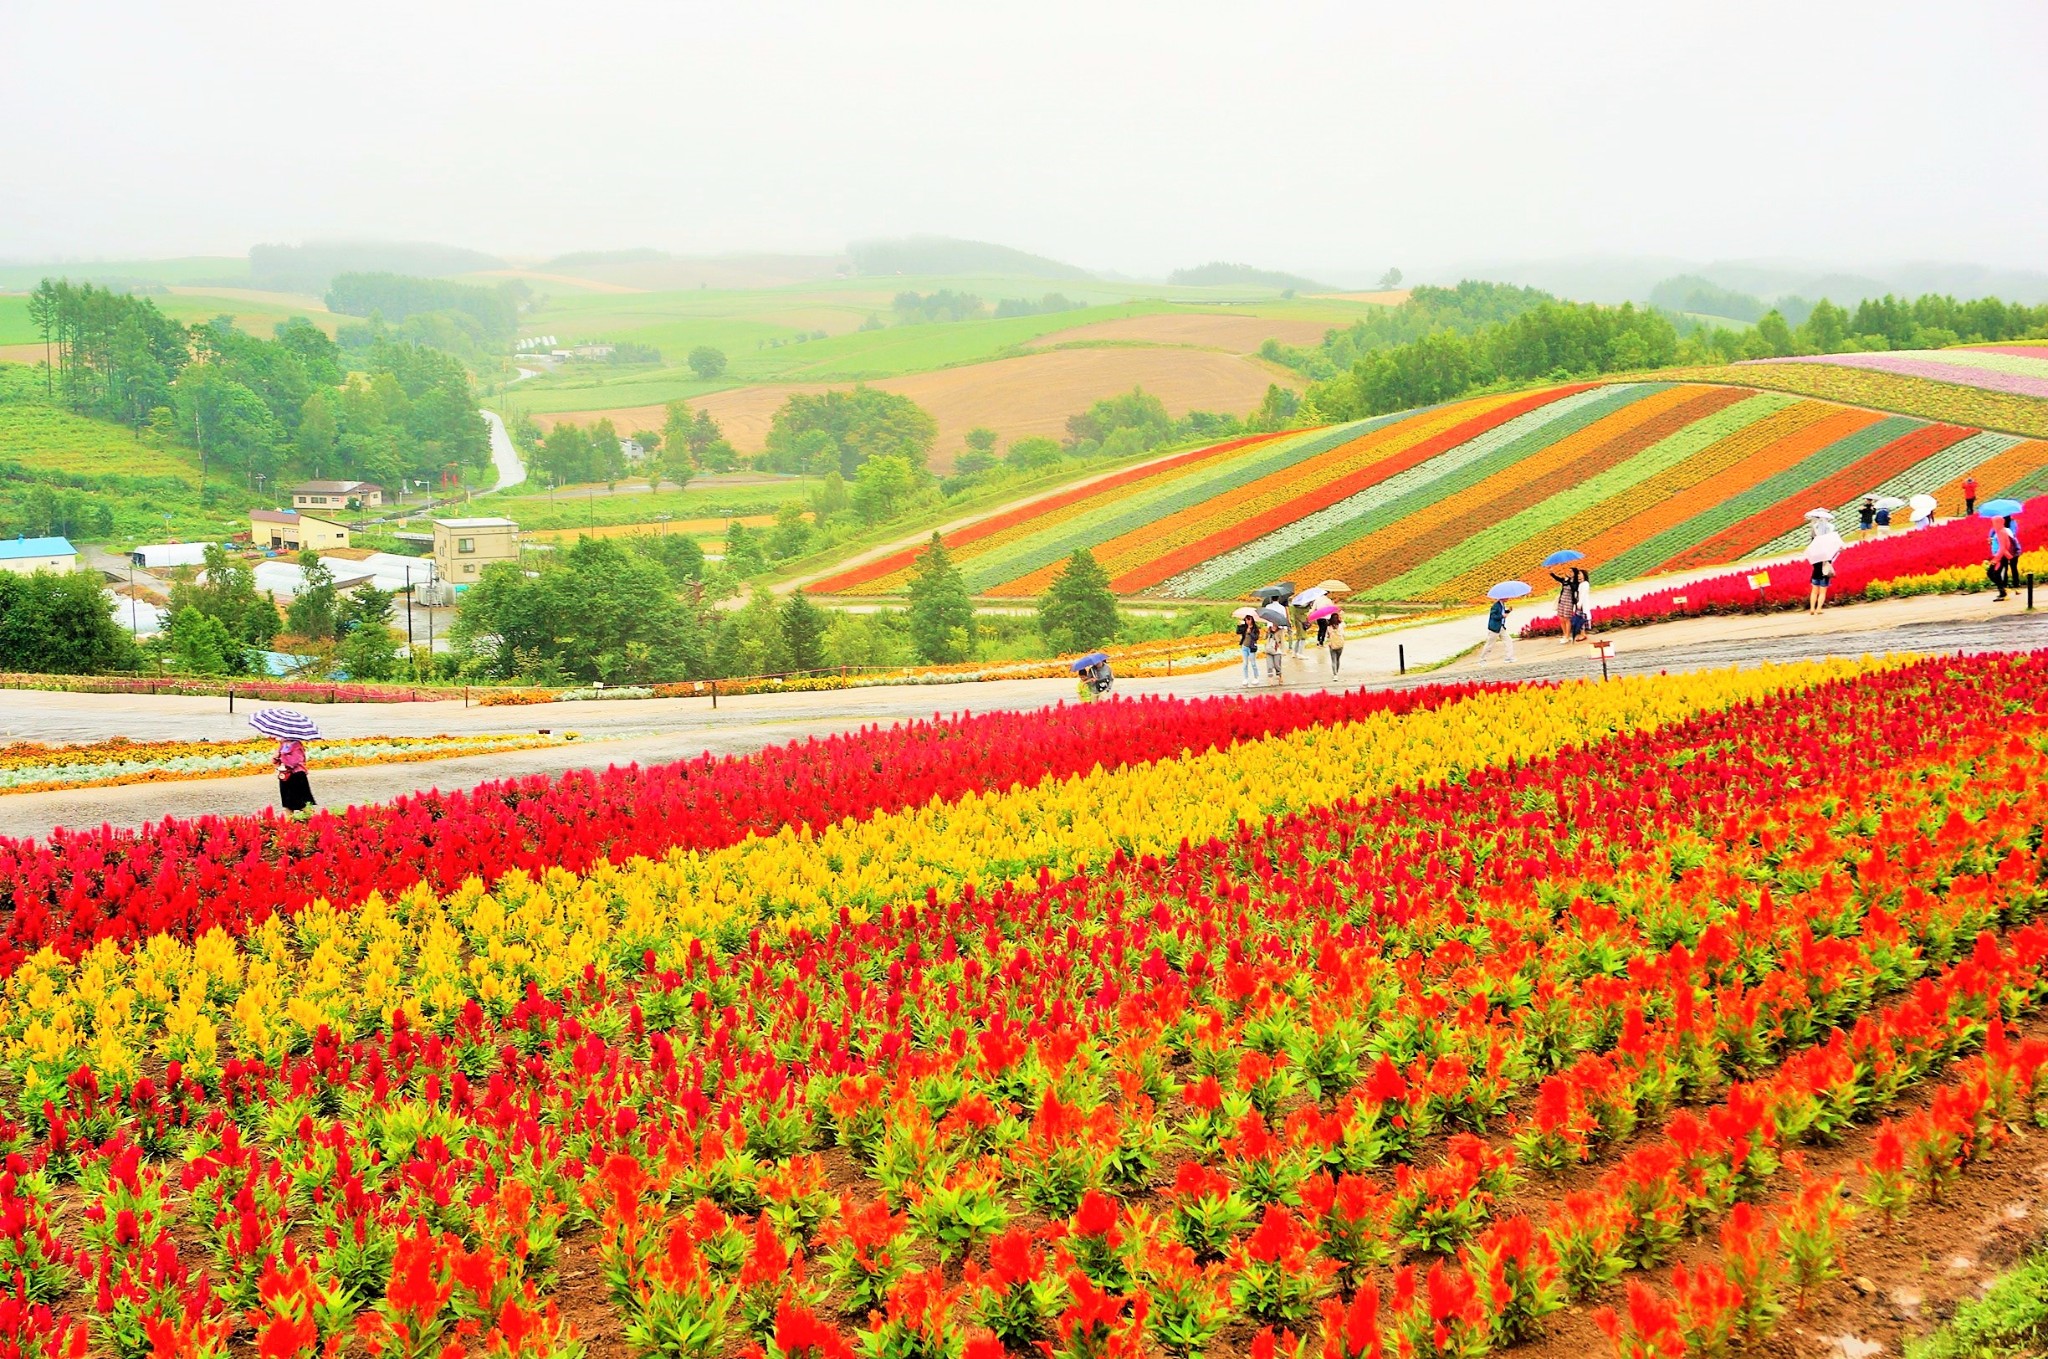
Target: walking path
x,y
657,730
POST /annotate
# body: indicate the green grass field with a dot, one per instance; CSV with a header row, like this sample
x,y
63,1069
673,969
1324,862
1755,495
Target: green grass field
x,y
45,439
229,270
107,465
760,332
575,507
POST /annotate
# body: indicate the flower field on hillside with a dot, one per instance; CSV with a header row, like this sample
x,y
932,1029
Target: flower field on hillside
x,y
1436,505
1353,1025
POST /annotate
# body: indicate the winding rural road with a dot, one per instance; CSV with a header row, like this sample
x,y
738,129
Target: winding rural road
x,y
504,455
658,730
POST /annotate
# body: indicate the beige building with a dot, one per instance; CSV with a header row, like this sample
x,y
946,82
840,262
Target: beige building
x,y
336,495
290,531
463,548
25,556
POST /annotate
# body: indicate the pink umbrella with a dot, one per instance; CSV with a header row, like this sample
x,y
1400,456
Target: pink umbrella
x,y
1322,611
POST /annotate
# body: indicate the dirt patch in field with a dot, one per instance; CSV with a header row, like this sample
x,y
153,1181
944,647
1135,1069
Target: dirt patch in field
x,y
1030,395
21,353
1232,334
1386,297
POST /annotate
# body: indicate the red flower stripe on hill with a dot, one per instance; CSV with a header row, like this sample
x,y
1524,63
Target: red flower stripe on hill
x,y
1324,496
975,532
185,877
1854,480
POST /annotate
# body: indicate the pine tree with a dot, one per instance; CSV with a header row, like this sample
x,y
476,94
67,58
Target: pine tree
x,y
803,632
1078,613
941,610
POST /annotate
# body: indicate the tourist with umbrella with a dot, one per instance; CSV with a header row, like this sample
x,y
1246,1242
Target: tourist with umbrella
x,y
292,730
1329,620
2005,543
1248,643
1820,557
1922,506
1497,618
1574,604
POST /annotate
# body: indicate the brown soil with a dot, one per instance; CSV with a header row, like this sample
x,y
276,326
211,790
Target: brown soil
x,y
1020,397
1389,297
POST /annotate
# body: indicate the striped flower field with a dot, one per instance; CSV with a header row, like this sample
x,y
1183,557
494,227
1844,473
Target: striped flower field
x,y
1433,505
1514,1014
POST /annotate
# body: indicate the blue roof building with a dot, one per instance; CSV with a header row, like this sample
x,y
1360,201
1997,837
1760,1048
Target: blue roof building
x,y
37,554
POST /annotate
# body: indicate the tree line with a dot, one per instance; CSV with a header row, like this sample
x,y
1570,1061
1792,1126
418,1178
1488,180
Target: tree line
x,y
251,407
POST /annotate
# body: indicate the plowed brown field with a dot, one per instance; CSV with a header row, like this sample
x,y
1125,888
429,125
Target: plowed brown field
x,y
1020,397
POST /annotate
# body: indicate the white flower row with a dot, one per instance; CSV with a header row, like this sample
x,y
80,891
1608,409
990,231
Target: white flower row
x,y
1191,583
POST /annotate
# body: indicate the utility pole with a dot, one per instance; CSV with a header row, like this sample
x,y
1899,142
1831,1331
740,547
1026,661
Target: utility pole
x,y
408,608
134,623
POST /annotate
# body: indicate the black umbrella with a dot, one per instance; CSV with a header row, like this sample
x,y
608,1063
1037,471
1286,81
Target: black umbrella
x,y
1284,590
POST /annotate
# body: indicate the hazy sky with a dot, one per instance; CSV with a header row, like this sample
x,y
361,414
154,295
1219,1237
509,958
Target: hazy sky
x,y
1136,137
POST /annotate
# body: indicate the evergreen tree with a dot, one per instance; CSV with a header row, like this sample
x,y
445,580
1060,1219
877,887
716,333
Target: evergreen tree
x,y
1078,613
803,632
311,614
941,610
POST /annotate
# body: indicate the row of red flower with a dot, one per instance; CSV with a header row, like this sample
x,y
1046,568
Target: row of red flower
x,y
186,876
1957,543
1402,927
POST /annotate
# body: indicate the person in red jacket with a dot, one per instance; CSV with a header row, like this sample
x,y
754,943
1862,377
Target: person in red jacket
x,y
1969,496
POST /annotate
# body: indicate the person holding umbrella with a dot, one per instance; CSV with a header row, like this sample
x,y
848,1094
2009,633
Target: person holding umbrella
x,y
1497,619
292,731
1571,594
1248,643
1820,557
2004,544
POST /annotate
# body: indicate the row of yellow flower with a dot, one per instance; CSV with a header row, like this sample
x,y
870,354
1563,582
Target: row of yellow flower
x,y
268,992
32,767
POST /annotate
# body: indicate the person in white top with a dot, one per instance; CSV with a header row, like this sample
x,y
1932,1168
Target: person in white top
x,y
1820,555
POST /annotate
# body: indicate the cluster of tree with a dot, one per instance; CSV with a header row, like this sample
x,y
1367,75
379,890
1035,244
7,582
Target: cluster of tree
x,y
1931,321
839,431
59,624
107,354
345,632
218,619
309,268
1219,274
44,510
1552,341
255,407
689,442
1470,306
944,305
1044,306
1137,421
627,351
398,296
1691,293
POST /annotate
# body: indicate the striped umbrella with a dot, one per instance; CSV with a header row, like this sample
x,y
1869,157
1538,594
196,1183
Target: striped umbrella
x,y
285,724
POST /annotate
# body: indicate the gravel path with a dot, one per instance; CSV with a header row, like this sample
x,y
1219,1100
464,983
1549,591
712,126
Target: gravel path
x,y
656,730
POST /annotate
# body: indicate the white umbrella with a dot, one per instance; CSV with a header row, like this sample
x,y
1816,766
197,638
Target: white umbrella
x,y
1246,613
1310,598
1923,505
285,725
1821,514
1888,502
1333,585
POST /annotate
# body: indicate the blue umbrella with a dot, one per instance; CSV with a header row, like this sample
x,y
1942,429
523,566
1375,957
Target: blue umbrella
x,y
1093,658
1998,509
285,725
1509,589
1563,555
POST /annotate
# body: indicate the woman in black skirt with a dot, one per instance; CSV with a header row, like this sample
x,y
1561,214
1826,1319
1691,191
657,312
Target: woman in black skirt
x,y
293,787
